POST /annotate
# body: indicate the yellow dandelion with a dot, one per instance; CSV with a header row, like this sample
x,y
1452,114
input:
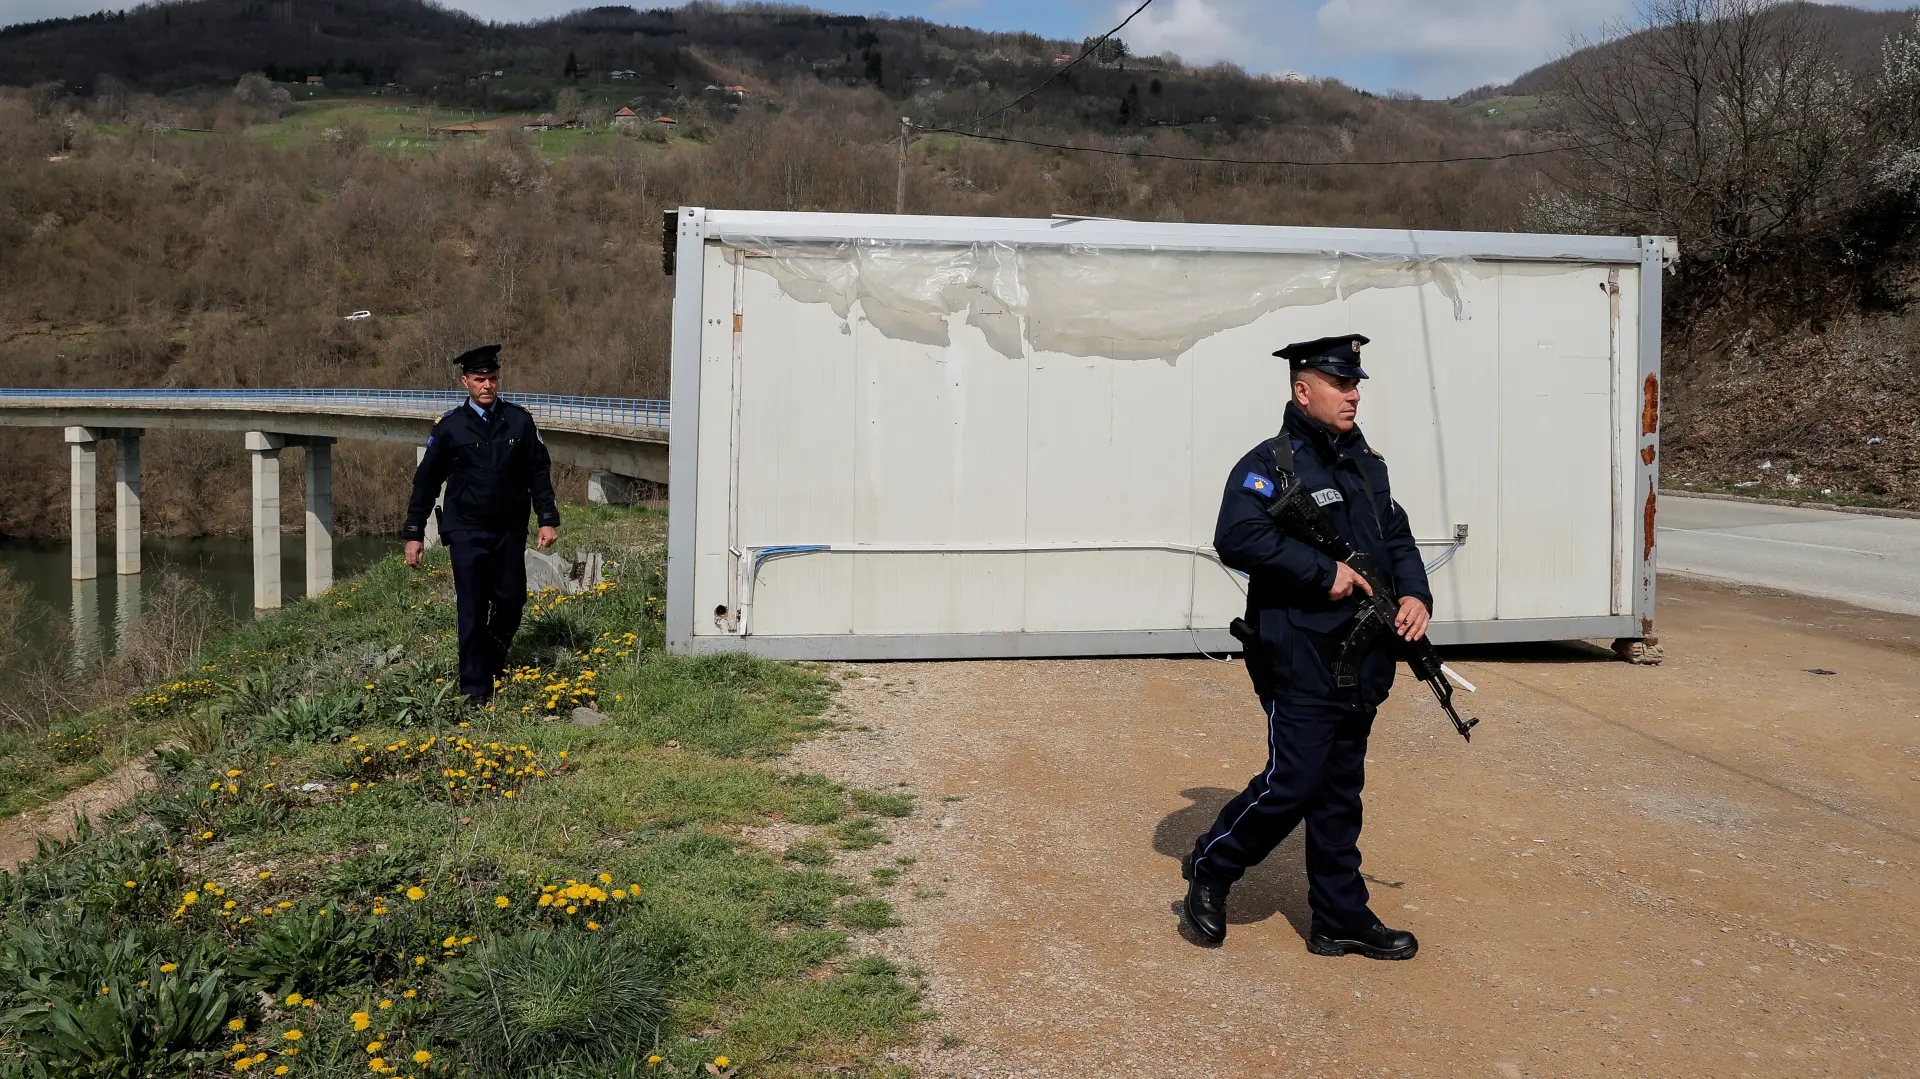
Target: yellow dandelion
x,y
386,1004
410,994
169,968
292,1035
236,1024
375,1046
264,874
502,901
416,894
720,1062
422,1057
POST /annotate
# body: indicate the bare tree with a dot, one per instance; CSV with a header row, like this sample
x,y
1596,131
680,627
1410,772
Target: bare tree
x,y
1725,122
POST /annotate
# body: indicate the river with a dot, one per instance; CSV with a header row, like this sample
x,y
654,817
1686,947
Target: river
x,y
99,613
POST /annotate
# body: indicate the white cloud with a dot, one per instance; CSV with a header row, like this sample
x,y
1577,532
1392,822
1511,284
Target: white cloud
x,y
1201,32
1436,47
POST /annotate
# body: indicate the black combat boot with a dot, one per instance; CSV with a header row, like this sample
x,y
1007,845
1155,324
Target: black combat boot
x,y
1374,942
1206,906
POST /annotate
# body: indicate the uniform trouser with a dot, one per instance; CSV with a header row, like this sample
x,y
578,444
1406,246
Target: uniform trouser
x,y
1316,765
490,582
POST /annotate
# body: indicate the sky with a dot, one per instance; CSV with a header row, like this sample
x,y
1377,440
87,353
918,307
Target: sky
x,y
1435,48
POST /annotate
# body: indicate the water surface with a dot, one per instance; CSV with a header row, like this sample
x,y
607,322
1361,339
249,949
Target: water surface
x,y
98,614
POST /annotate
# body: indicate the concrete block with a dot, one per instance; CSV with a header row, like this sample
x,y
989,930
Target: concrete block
x,y
611,488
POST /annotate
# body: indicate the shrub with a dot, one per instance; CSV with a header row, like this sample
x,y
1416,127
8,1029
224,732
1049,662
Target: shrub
x,y
166,1023
308,719
312,949
554,998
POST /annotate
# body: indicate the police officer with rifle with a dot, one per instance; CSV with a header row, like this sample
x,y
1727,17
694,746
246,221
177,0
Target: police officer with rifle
x,y
1337,595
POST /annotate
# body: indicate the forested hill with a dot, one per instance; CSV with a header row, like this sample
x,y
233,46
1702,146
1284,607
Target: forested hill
x,y
1855,37
419,48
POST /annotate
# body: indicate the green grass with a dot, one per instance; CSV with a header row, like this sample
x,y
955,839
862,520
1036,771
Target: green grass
x,y
349,834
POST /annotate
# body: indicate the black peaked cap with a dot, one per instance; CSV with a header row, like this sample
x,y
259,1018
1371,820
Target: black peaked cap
x,y
1335,355
479,361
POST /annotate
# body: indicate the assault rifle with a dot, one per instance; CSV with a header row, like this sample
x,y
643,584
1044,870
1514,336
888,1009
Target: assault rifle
x,y
1300,518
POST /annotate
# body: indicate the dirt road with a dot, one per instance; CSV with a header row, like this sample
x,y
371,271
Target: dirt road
x,y
1701,869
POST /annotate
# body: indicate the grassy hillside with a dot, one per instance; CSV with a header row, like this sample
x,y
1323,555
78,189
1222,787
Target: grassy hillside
x,y
342,869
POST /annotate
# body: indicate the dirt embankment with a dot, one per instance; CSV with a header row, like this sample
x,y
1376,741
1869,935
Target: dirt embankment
x,y
1706,868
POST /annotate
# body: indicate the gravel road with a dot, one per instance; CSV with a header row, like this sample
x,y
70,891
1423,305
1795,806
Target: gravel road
x,y
1701,869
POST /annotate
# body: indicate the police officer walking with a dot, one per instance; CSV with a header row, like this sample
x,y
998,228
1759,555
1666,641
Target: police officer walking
x,y
1300,600
495,466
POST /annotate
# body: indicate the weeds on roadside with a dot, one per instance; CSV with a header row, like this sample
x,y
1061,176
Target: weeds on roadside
x,y
337,875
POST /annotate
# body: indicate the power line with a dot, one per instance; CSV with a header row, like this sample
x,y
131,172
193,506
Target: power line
x,y
1044,83
1251,161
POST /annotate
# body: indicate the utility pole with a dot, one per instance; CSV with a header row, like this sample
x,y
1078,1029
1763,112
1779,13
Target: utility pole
x,y
900,188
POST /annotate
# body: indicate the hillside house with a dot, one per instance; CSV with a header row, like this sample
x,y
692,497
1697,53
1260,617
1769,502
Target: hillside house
x,y
625,118
316,80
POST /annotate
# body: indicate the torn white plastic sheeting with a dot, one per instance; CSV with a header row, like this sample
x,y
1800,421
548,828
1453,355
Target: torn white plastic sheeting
x,y
1123,305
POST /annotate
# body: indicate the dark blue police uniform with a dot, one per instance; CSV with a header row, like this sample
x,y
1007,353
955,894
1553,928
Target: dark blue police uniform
x,y
1316,733
496,470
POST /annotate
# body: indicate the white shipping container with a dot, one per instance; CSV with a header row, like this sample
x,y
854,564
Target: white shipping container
x,y
928,437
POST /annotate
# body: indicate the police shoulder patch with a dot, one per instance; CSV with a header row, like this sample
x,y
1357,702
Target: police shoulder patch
x,y
1258,484
1376,453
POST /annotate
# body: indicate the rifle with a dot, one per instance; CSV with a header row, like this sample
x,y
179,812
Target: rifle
x,y
1300,518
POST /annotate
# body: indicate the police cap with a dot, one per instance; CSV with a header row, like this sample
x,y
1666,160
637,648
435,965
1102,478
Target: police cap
x,y
1338,356
479,361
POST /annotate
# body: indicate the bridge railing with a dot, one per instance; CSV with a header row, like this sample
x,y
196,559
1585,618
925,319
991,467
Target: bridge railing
x,y
619,411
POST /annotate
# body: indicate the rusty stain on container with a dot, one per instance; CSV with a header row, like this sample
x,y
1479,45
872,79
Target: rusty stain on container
x,y
738,321
1646,455
1646,550
1650,412
1646,630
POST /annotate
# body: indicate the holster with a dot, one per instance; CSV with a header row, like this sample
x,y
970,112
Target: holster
x,y
1259,660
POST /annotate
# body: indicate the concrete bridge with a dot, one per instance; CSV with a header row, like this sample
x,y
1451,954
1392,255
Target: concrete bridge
x,y
615,438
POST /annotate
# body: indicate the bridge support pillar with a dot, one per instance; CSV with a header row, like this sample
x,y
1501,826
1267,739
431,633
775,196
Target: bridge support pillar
x,y
266,518
319,515
126,502
82,453
439,497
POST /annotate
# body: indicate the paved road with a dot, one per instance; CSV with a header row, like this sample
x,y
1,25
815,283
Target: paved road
x,y
1868,561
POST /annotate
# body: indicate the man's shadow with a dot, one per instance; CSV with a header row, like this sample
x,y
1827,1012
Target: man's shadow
x,y
1278,885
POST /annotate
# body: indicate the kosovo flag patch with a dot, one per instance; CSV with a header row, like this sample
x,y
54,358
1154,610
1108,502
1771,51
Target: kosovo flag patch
x,y
1258,483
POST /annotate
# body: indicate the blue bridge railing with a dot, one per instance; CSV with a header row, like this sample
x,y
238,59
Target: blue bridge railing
x,y
619,411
